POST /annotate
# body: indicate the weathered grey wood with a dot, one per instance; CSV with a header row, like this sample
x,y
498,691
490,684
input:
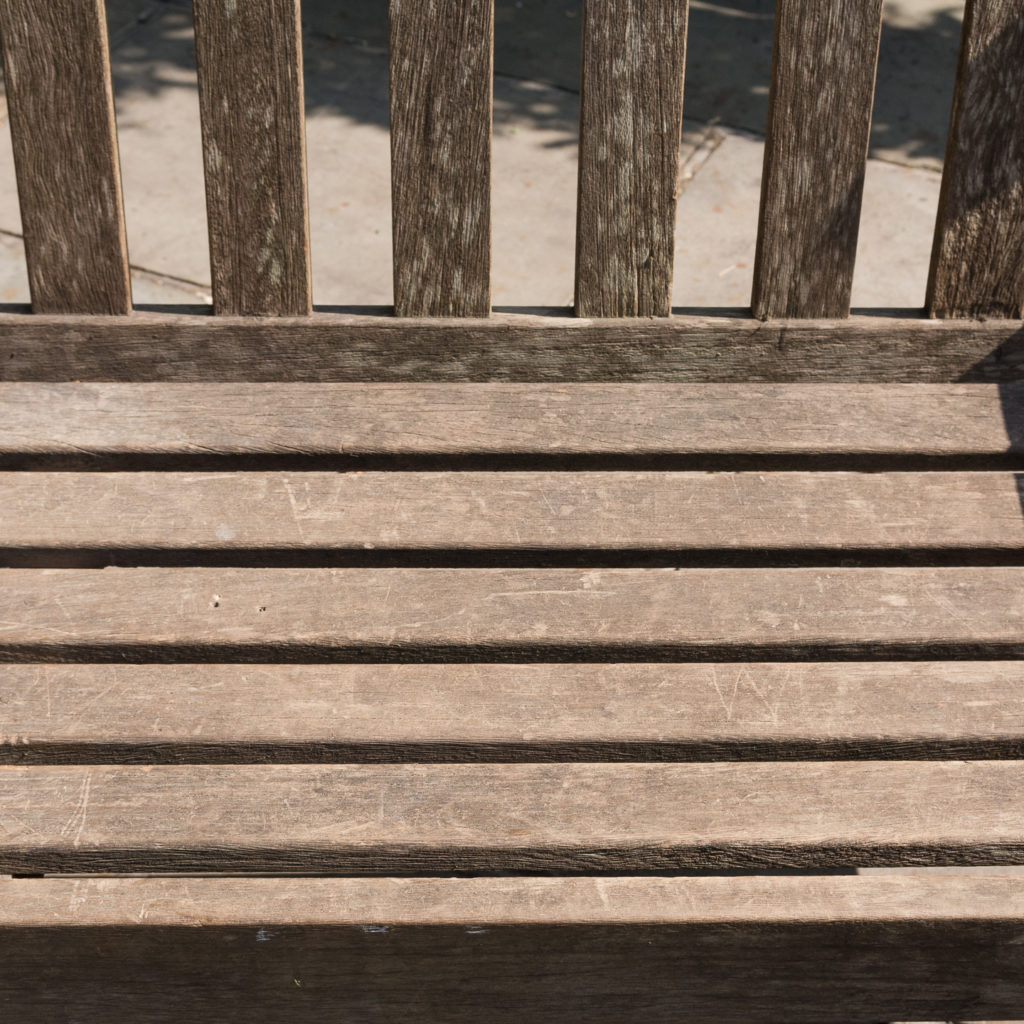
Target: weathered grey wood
x,y
508,347
978,258
714,425
896,513
509,614
249,59
409,818
61,105
661,950
819,117
631,109
110,714
441,86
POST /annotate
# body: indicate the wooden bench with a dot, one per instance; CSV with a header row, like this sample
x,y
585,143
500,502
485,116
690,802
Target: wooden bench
x,y
539,667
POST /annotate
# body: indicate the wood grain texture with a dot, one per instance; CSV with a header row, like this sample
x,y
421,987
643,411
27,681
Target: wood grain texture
x,y
61,105
596,513
206,714
441,54
823,950
509,614
412,818
249,59
977,265
508,348
707,426
631,109
819,118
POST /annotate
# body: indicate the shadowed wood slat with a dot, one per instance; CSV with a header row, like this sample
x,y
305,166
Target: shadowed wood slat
x,y
509,614
819,117
473,817
546,950
631,109
249,58
508,347
713,424
543,512
441,55
978,259
61,105
111,714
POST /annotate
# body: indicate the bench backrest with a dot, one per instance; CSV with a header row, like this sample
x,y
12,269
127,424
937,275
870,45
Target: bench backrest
x,y
249,58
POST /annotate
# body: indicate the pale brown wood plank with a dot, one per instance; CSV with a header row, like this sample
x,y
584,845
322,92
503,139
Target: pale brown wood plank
x,y
508,348
895,513
509,614
823,81
61,105
978,259
710,425
249,59
441,86
409,818
658,950
631,109
199,714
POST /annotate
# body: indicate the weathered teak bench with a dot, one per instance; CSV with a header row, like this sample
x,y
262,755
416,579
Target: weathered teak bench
x,y
523,667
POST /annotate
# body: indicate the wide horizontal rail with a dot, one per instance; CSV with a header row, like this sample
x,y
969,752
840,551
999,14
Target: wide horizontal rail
x,y
206,714
828,949
492,426
507,347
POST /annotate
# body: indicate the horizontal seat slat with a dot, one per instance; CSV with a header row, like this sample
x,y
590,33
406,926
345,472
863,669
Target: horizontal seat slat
x,y
507,817
75,714
88,423
592,512
510,614
826,949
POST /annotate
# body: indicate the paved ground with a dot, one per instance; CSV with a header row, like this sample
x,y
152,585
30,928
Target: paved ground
x,y
537,43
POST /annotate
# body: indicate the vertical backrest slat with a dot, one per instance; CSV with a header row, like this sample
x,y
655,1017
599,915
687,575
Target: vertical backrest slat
x,y
441,101
978,258
631,109
57,73
819,119
249,58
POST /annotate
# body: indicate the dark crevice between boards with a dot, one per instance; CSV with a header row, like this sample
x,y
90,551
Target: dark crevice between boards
x,y
504,558
299,653
559,859
106,461
639,873
259,752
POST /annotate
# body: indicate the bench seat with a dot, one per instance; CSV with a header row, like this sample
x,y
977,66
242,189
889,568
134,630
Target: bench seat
x,y
539,702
